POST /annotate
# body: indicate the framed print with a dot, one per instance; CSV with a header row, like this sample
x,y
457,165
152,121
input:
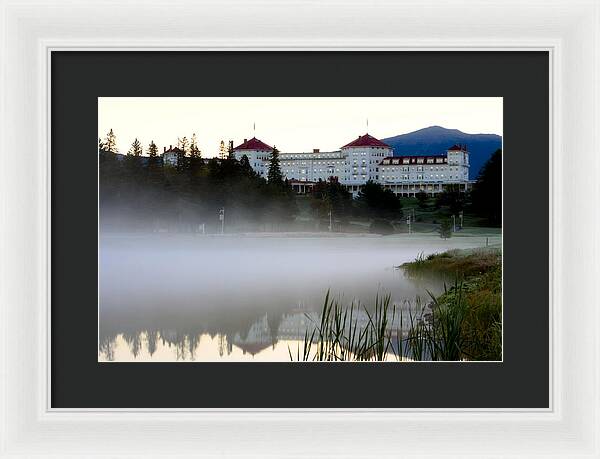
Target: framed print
x,y
298,231
247,253
290,230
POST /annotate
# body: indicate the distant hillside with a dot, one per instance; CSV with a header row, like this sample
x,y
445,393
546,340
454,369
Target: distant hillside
x,y
436,139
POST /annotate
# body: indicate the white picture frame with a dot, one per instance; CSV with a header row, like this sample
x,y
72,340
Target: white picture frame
x,y
568,29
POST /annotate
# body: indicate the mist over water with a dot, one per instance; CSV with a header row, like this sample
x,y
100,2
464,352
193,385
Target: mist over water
x,y
236,297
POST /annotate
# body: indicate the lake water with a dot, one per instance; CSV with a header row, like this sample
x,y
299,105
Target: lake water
x,y
187,298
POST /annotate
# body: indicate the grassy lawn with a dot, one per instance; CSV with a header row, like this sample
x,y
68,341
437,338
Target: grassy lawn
x,y
423,220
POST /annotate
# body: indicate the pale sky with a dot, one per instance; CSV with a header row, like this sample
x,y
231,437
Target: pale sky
x,y
292,124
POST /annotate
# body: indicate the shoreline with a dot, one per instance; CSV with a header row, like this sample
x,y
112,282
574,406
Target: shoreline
x,y
493,236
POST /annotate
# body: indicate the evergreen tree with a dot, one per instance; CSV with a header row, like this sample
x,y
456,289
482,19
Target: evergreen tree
x,y
230,150
246,167
486,196
222,151
274,176
331,196
100,144
379,202
152,150
110,144
194,150
183,145
136,148
452,197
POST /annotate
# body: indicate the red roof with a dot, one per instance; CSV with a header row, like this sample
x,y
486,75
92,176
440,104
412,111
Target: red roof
x,y
366,141
174,150
457,147
254,144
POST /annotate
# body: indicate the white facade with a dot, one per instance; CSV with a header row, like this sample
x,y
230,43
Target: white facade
x,y
407,175
258,154
362,163
312,167
364,159
171,156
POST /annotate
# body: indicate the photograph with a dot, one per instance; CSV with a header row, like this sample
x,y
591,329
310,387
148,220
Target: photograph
x,y
300,229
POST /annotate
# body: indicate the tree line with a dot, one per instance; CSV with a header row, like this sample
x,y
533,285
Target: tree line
x,y
188,147
141,193
137,191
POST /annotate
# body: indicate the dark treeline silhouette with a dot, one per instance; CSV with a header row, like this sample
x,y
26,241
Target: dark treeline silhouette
x,y
373,202
142,193
483,201
486,196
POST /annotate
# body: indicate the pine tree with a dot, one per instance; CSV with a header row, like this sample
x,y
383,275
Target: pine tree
x,y
222,151
152,150
230,150
136,148
100,144
194,150
245,166
183,145
110,144
274,175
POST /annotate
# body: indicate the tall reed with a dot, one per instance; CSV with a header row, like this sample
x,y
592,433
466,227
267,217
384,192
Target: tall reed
x,y
434,331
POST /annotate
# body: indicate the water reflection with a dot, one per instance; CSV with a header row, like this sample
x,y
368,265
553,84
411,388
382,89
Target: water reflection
x,y
174,298
260,342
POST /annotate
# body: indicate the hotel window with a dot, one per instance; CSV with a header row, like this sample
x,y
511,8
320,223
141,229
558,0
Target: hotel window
x,y
419,168
420,177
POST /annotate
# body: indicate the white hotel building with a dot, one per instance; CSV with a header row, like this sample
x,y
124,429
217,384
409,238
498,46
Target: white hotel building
x,y
363,159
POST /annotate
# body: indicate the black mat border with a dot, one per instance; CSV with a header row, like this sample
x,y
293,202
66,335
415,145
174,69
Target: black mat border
x,y
79,381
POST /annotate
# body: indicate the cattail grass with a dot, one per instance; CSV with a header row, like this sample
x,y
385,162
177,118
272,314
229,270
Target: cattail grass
x,y
434,332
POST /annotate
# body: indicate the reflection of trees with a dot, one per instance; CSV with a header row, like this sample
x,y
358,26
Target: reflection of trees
x,y
152,339
273,321
251,330
222,345
134,340
259,335
181,327
180,349
107,347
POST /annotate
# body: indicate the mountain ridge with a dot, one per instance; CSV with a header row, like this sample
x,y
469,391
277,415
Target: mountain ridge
x,y
437,139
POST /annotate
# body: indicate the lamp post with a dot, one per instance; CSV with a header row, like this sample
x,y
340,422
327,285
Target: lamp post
x,y
454,223
222,218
